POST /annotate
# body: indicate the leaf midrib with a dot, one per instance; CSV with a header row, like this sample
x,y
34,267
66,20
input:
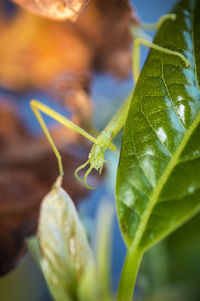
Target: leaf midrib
x,y
172,163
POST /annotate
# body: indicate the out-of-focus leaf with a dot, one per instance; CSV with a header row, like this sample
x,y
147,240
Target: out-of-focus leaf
x,y
158,182
54,9
171,269
65,252
72,91
51,50
102,243
34,250
183,251
88,288
110,38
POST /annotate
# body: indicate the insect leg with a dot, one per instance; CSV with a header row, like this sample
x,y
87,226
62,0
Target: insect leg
x,y
136,54
142,38
38,107
156,26
48,135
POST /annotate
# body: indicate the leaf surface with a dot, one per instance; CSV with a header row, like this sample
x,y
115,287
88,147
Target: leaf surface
x,y
158,179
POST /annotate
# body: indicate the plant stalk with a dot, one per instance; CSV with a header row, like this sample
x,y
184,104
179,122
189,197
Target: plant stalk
x,y
129,274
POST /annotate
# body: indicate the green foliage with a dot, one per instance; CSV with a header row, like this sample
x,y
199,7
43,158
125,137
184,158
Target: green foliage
x,y
158,178
171,267
183,252
158,181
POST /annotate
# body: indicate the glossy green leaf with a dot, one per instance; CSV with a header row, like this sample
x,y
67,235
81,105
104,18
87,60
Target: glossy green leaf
x,y
158,179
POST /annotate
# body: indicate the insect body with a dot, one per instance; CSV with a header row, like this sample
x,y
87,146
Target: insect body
x,y
104,140
96,157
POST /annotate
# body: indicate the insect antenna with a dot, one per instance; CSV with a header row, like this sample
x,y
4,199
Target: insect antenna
x,y
78,169
85,177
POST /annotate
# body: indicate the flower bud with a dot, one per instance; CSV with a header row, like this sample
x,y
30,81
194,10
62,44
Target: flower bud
x,y
65,252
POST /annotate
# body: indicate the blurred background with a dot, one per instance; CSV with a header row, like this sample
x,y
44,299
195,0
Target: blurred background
x,y
94,78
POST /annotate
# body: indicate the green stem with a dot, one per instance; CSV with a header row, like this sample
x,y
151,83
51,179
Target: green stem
x,y
129,274
103,246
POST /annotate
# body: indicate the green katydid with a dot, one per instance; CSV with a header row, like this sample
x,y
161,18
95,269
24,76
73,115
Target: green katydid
x,y
104,140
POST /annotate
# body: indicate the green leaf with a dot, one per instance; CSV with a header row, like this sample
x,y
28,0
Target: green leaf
x,y
183,251
173,265
158,179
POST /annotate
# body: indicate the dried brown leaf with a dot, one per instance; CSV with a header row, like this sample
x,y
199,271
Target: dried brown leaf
x,y
99,40
106,25
48,49
54,9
